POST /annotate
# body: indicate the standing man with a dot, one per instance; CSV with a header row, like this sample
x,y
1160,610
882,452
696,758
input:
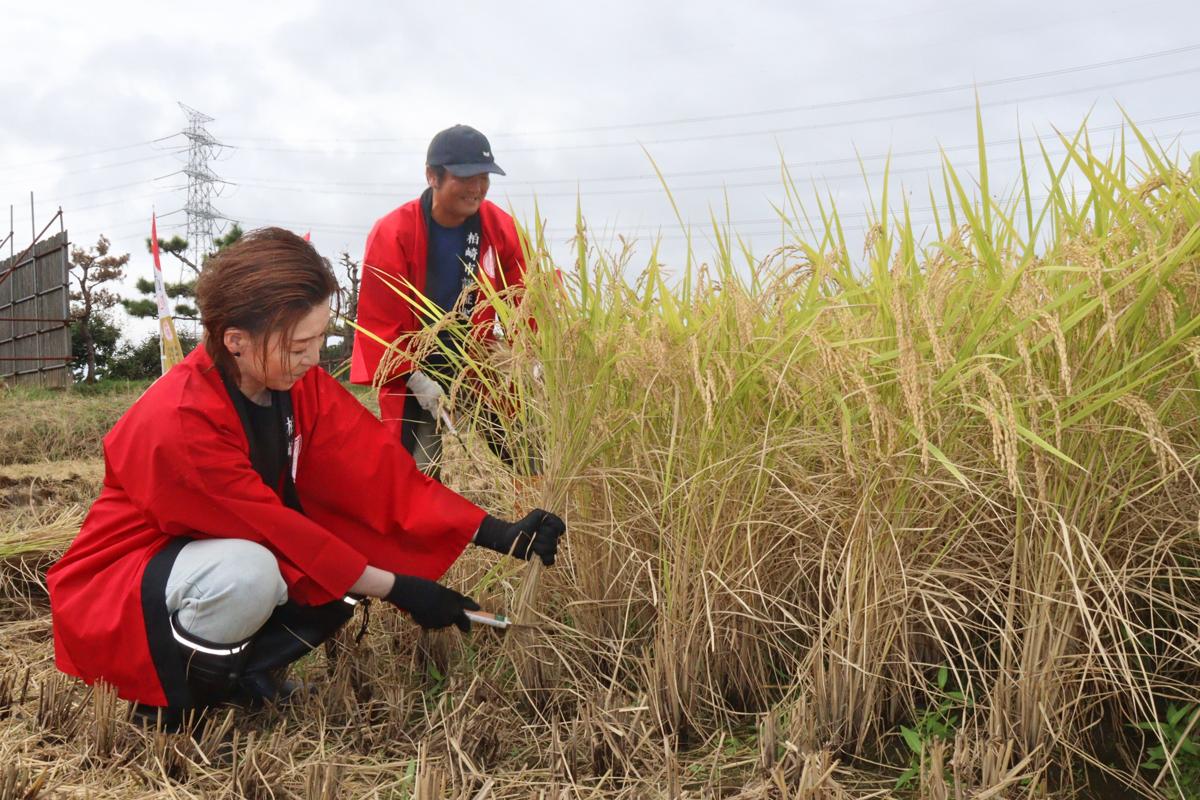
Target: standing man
x,y
441,243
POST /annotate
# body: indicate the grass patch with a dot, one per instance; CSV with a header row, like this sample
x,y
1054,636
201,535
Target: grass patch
x,y
65,424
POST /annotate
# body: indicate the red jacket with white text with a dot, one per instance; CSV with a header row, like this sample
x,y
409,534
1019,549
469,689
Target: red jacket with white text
x,y
177,464
397,250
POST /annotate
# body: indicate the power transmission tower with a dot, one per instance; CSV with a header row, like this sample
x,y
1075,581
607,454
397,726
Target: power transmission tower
x,y
201,216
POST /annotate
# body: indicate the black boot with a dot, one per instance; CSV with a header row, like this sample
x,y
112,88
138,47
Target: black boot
x,y
212,669
292,631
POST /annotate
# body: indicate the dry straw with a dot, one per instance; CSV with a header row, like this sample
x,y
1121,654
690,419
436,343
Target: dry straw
x,y
802,518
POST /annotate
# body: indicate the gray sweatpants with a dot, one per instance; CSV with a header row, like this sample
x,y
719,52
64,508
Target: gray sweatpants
x,y
224,589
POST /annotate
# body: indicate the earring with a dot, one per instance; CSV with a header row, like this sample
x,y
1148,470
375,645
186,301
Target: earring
x,y
237,355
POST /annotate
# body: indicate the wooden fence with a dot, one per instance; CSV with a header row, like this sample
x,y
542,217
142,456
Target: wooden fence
x,y
35,337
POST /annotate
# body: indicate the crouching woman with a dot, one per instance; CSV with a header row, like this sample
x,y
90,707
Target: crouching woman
x,y
249,502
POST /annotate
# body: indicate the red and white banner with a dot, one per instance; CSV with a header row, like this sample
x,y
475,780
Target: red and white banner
x,y
169,351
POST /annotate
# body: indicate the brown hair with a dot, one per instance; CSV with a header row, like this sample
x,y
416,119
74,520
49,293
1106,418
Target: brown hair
x,y
263,283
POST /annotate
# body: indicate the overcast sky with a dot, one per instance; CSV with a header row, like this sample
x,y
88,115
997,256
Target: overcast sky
x,y
326,108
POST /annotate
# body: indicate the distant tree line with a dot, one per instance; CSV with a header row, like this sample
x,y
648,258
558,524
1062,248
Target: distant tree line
x,y
95,335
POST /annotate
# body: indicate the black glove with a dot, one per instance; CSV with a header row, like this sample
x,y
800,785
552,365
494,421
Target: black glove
x,y
431,604
537,534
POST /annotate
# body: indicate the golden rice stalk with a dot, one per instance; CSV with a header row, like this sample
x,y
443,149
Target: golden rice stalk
x,y
1156,432
881,435
40,529
1050,322
872,237
1022,342
1149,186
1193,347
704,383
1003,421
941,355
1163,311
1096,274
910,366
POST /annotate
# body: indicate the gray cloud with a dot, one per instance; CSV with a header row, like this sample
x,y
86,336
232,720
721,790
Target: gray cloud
x,y
300,87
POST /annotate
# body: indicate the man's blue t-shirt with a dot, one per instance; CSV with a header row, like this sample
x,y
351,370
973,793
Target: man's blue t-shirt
x,y
443,284
444,278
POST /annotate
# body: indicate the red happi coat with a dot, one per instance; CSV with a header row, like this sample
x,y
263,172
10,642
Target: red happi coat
x,y
177,464
398,251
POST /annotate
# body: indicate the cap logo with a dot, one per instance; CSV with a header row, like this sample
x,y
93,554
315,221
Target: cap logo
x,y
486,154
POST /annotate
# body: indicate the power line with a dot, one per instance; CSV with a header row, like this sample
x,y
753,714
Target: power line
x,y
142,221
877,98
114,187
100,167
657,188
928,151
848,176
761,132
346,228
405,185
864,120
122,201
55,160
736,225
905,95
106,189
698,230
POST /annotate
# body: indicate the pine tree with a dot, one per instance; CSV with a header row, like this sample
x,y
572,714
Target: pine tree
x,y
183,292
91,269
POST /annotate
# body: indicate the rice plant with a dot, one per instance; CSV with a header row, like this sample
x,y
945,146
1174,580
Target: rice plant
x,y
800,488
914,519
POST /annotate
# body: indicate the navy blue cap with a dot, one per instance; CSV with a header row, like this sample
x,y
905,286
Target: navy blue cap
x,y
463,151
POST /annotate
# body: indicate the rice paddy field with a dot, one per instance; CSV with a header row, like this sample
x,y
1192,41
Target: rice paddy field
x,y
918,518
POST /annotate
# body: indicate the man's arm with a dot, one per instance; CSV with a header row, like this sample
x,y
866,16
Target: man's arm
x,y
383,313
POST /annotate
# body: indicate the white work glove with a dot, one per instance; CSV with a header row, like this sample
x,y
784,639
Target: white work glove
x,y
428,392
